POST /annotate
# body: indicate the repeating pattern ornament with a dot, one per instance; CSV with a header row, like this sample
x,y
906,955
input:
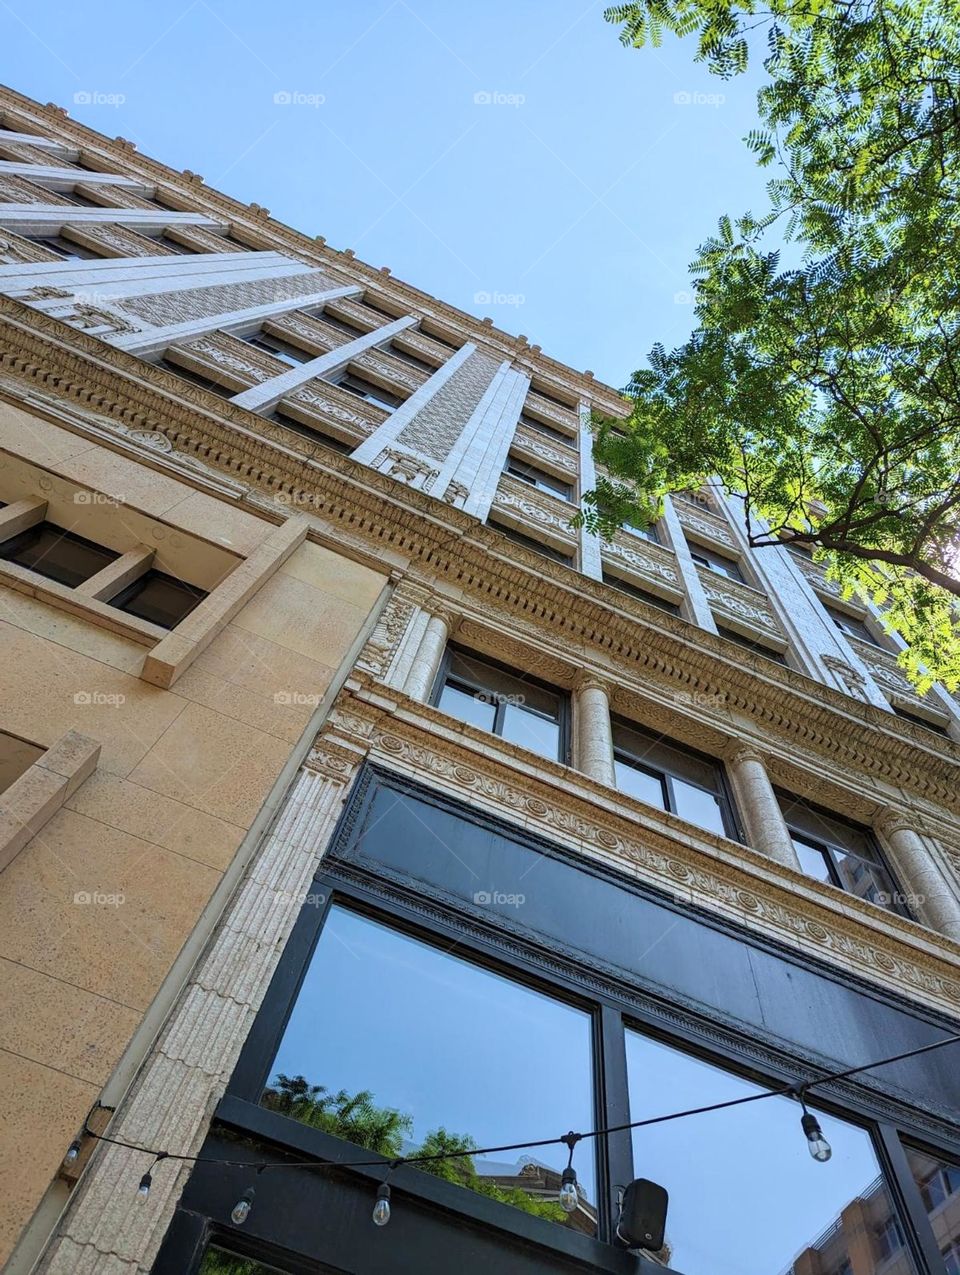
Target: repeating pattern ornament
x,y
851,678
644,558
563,459
216,350
406,468
377,655
738,600
710,526
534,506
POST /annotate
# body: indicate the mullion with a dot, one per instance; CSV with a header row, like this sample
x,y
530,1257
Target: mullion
x,y
918,1229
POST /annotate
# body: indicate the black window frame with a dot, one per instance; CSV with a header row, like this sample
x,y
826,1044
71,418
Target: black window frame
x,y
616,1009
445,677
829,850
710,558
937,727
65,248
538,546
71,537
286,351
728,809
367,391
854,626
547,430
638,591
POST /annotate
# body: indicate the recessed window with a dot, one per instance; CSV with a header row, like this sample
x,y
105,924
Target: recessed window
x,y
433,335
852,625
289,354
342,325
669,776
16,756
514,707
635,591
649,532
529,542
551,397
56,553
453,1061
159,598
197,378
538,478
745,1197
548,431
406,357
918,720
761,648
369,392
314,433
76,197
174,245
64,248
840,853
716,562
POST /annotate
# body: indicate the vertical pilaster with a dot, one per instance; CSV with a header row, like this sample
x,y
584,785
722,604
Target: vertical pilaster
x,y
695,605
759,809
591,561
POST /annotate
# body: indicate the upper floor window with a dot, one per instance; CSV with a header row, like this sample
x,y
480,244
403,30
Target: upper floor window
x,y
440,339
843,854
538,478
553,397
174,245
517,708
160,598
367,390
548,431
292,355
752,644
852,625
349,329
671,777
716,562
406,357
918,720
649,532
313,432
197,378
56,553
16,756
529,542
65,248
635,590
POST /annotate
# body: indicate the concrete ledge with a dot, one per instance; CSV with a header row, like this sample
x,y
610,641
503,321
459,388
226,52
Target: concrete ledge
x,y
180,647
61,596
42,789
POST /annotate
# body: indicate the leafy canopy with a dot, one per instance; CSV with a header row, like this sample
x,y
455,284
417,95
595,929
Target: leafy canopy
x,y
826,395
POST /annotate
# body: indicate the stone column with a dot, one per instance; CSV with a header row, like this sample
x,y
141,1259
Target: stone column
x,y
426,662
928,891
757,803
594,735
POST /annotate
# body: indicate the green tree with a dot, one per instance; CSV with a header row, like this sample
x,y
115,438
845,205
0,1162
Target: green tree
x,y
825,394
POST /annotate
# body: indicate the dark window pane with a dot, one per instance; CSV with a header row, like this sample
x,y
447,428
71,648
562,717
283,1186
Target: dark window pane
x,y
820,827
751,644
716,562
866,880
635,591
159,598
917,720
367,390
548,431
282,350
518,537
196,378
538,478
524,712
445,1057
16,756
64,248
851,625
57,554
313,432
749,1200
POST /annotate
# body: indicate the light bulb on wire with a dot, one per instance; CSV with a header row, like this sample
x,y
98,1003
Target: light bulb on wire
x,y
381,1210
817,1144
241,1210
569,1196
73,1152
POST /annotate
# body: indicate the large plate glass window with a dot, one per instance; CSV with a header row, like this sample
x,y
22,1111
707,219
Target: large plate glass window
x,y
399,1047
745,1196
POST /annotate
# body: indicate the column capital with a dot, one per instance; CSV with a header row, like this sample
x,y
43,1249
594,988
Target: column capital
x,y
889,821
739,752
441,609
586,680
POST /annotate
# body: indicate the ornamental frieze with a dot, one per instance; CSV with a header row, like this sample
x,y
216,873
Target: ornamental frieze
x,y
643,557
738,600
564,459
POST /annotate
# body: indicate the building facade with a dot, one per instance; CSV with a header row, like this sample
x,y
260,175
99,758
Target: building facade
x,y
355,806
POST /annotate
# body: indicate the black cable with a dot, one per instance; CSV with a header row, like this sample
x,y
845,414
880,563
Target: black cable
x,y
567,1139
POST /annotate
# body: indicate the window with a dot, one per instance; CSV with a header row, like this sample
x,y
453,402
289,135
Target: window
x,y
406,357
648,533
518,537
457,1052
16,756
217,1261
197,378
159,598
951,1259
752,644
917,720
368,391
548,431
174,245
551,397
64,248
748,1200
889,1237
518,709
841,853
312,432
280,349
716,562
342,325
851,625
669,776
433,335
56,553
538,478
938,1180
644,595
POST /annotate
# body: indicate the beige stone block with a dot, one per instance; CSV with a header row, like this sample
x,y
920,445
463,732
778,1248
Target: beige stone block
x,y
46,1019
273,707
154,817
214,519
75,632
73,757
213,763
126,480
40,1110
69,1258
248,660
40,441
48,690
334,574
295,615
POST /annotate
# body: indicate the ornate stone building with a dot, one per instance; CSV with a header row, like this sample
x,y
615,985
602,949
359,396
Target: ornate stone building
x,y
353,802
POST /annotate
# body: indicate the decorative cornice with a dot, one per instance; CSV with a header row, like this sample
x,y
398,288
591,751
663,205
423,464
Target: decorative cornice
x,y
546,602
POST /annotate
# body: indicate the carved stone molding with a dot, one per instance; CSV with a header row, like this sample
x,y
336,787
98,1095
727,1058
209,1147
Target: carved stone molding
x,y
850,677
643,558
738,600
407,468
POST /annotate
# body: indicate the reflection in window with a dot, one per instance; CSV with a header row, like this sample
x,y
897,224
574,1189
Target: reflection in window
x,y
664,775
453,1056
745,1196
840,853
939,1185
216,1261
524,712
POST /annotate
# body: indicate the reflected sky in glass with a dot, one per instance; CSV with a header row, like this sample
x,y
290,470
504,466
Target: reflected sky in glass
x,y
435,1036
745,1196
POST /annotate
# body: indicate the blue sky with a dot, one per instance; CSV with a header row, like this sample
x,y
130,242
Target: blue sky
x,y
565,201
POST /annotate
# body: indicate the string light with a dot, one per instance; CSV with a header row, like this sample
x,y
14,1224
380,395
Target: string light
x,y
73,1152
819,1147
241,1210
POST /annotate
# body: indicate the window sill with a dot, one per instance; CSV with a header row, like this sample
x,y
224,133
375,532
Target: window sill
x,y
41,790
64,598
